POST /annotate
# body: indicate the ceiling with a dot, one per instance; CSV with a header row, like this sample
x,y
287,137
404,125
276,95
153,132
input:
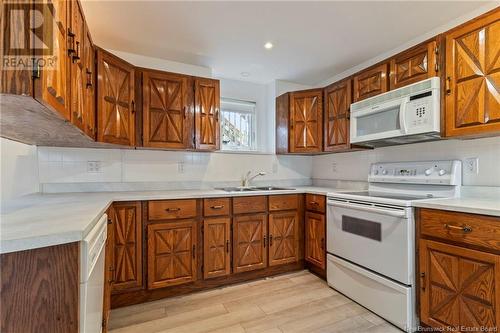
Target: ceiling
x,y
312,40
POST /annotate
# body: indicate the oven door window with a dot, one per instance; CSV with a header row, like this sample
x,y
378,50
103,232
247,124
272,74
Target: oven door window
x,y
363,228
380,122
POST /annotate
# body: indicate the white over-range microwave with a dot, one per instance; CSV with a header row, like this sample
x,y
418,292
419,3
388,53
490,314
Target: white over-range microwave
x,y
405,115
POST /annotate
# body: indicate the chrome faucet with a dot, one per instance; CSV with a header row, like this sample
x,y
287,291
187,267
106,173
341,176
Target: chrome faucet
x,y
246,180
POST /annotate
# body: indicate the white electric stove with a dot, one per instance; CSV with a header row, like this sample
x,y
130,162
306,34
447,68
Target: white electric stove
x,y
371,235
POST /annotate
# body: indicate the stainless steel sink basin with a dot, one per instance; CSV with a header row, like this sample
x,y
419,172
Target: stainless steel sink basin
x,y
250,189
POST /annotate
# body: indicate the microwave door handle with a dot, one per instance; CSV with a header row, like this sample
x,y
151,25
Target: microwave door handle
x,y
370,209
402,115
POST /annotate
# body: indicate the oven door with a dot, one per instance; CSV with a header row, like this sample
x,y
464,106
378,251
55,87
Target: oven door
x,y
377,237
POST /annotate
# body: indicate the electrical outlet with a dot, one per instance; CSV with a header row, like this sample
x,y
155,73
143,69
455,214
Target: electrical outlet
x,y
180,167
471,165
94,166
334,167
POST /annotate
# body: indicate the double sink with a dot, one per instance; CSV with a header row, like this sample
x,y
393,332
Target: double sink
x,y
250,189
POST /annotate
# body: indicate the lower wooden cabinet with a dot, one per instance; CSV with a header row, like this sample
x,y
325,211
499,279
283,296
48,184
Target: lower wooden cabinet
x,y
108,270
216,247
283,238
249,242
171,253
127,229
315,235
459,287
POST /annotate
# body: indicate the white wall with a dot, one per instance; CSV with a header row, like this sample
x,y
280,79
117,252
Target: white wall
x,y
19,169
355,165
173,169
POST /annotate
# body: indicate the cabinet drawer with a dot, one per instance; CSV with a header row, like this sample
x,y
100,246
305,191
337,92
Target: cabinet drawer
x,y
243,205
478,230
216,207
171,209
315,203
283,202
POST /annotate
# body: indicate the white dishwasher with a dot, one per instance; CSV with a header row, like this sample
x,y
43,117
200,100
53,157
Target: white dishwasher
x,y
92,277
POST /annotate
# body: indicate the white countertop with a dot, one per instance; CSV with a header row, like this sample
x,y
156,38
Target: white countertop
x,y
40,220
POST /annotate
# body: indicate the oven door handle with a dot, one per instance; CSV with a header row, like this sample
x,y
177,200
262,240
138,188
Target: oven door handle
x,y
371,209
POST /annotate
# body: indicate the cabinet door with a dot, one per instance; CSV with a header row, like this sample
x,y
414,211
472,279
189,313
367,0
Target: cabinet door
x,y
77,64
416,64
249,242
458,286
336,125
115,100
472,78
283,238
128,246
89,86
207,105
171,253
306,113
53,87
370,82
315,239
217,245
108,270
166,111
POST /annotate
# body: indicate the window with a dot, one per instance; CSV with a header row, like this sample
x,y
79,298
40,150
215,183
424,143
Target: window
x,y
238,125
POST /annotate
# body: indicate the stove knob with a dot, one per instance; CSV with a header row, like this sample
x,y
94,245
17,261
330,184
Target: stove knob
x,y
384,172
442,172
428,172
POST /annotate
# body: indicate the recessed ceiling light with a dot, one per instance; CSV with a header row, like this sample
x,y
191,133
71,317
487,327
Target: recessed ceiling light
x,y
245,74
268,45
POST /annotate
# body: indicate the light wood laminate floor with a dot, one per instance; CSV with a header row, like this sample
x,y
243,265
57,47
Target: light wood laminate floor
x,y
295,302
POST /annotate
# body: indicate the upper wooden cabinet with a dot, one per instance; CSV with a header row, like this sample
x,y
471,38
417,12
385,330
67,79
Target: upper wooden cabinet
x,y
171,253
472,102
127,233
338,99
413,65
52,85
167,116
115,100
89,110
207,109
371,82
76,50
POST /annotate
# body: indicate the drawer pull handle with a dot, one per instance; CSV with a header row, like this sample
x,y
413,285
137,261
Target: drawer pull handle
x,y
464,228
173,209
217,207
314,203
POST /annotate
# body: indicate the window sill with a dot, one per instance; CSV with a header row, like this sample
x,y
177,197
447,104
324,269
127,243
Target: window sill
x,y
243,152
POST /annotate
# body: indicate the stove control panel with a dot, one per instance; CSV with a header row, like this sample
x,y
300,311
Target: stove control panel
x,y
427,172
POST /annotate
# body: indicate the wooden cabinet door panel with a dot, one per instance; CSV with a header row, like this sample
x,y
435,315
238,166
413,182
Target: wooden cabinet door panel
x,y
108,269
128,246
370,82
77,65
458,286
283,238
166,111
473,78
89,115
171,253
413,65
249,242
115,100
336,123
216,248
207,108
306,112
315,239
53,87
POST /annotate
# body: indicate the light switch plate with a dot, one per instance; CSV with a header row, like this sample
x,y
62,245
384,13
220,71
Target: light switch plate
x,y
471,165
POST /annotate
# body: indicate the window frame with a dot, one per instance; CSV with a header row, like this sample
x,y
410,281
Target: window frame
x,y
253,125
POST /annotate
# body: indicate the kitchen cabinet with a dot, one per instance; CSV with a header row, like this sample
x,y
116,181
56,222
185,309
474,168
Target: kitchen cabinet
x,y
371,82
249,242
89,110
415,64
315,249
338,99
76,34
115,100
216,247
472,105
283,237
127,234
172,256
108,269
207,113
167,115
459,269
